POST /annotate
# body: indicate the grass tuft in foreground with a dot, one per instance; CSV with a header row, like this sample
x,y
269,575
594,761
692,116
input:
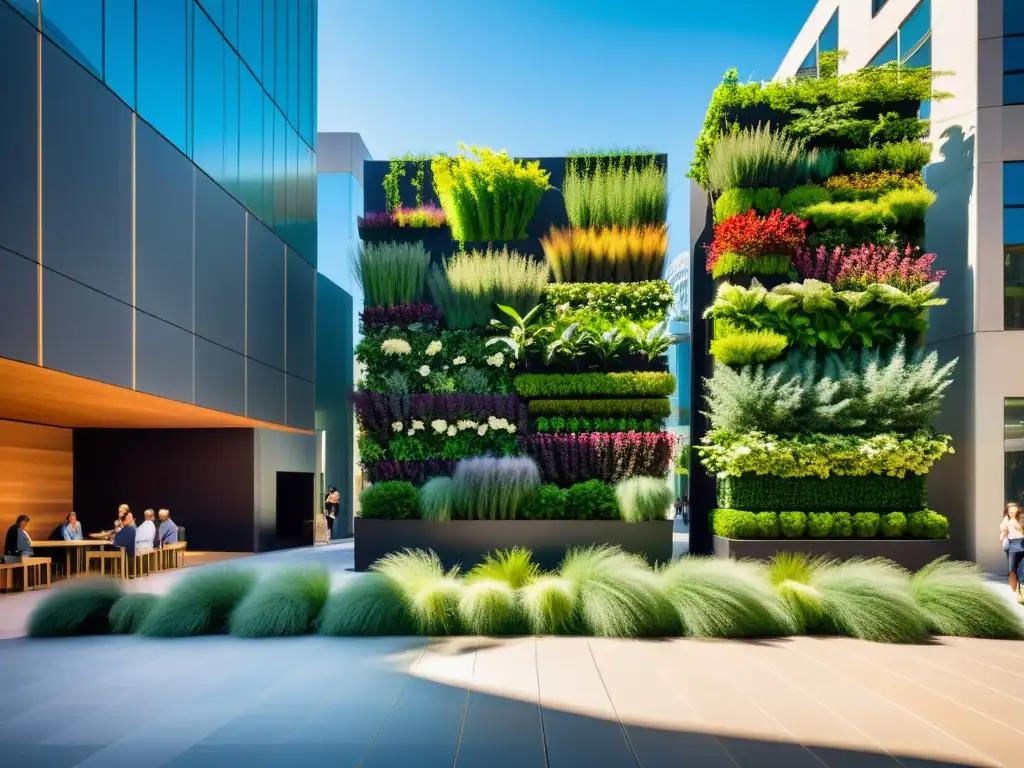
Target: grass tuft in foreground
x,y
432,595
130,611
955,600
283,603
372,605
200,605
490,607
81,608
549,605
513,566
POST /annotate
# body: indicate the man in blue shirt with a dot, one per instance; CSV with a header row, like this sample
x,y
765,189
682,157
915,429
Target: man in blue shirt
x,y
168,529
17,543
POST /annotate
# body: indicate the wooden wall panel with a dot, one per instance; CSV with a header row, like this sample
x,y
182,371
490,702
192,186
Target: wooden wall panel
x,y
36,475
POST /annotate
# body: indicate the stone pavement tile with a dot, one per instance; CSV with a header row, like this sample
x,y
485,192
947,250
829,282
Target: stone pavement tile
x,y
1003,655
257,730
315,755
980,735
580,725
216,756
40,722
100,728
48,756
951,659
122,755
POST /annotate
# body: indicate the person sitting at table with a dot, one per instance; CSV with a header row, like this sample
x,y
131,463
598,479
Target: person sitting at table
x,y
125,536
17,543
146,533
168,528
72,530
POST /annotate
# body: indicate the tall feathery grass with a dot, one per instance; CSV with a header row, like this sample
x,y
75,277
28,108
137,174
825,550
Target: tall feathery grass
x,y
283,603
130,612
433,596
513,566
391,273
549,605
615,193
81,608
955,600
200,604
757,157
487,488
471,285
437,499
609,255
372,605
490,607
642,499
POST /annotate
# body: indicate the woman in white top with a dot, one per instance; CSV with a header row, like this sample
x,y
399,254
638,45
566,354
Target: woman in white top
x,y
1011,533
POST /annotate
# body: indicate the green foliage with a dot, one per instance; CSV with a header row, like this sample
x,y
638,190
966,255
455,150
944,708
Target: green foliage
x,y
866,524
514,567
615,193
747,347
793,525
487,195
791,573
734,524
735,201
799,199
897,208
431,595
842,525
870,186
591,500
396,170
851,494
437,499
894,525
837,236
130,611
595,385
549,605
391,273
200,604
490,607
657,408
814,314
724,598
548,503
639,302
819,524
642,499
906,157
732,263
390,500
80,608
486,488
473,283
767,525
955,600
872,390
756,157
821,163
618,595
575,425
372,605
283,603
837,126
928,525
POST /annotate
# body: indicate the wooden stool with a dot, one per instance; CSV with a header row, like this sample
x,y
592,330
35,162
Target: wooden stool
x,y
118,562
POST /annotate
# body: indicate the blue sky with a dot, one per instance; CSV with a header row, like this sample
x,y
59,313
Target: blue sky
x,y
541,78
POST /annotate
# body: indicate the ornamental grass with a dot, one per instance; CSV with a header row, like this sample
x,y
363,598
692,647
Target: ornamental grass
x,y
391,274
615,193
607,255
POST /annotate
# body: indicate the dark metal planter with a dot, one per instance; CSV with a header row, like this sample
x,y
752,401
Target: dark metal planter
x,y
465,542
912,554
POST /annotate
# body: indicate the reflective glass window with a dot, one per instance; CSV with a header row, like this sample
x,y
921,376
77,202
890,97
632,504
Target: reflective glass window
x,y
250,150
77,27
280,174
215,10
1013,89
28,8
1013,17
1013,187
876,6
306,65
162,69
231,121
914,29
119,54
208,98
1013,54
280,90
1013,245
230,25
809,67
250,34
316,70
829,39
292,175
269,193
890,52
269,20
293,62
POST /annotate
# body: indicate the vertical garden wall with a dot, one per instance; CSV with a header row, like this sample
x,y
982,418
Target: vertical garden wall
x,y
514,356
820,396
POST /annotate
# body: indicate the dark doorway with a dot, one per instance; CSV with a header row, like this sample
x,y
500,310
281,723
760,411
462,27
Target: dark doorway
x,y
295,509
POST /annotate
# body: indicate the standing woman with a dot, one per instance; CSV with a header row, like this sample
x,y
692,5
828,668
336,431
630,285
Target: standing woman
x,y
1011,533
331,504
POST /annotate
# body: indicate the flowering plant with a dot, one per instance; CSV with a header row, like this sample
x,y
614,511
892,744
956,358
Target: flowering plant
x,y
752,244
424,216
395,347
375,220
858,267
399,316
379,413
609,456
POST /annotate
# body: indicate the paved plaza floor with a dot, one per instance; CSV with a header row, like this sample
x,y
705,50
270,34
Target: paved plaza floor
x,y
520,702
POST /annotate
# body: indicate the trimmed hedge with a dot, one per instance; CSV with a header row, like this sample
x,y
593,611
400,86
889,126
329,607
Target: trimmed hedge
x,y
645,384
647,300
743,524
654,407
765,493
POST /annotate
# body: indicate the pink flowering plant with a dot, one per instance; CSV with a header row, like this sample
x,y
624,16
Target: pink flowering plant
x,y
566,458
858,267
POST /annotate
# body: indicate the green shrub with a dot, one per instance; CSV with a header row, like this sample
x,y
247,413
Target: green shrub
x,y
432,595
842,525
756,157
637,302
549,605
615,194
130,611
749,347
906,206
866,524
907,157
390,500
575,425
437,499
595,384
793,524
797,200
731,263
655,407
200,604
812,494
791,574
955,600
900,207
487,488
642,499
372,605
733,202
894,525
723,598
548,503
936,526
618,594
514,567
488,195
391,273
819,525
870,186
490,607
80,608
284,603
821,163
591,500
734,524
767,525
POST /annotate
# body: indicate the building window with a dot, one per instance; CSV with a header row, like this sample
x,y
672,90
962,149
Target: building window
x,y
911,46
1013,449
1013,17
1013,245
77,27
877,5
890,52
1013,52
827,41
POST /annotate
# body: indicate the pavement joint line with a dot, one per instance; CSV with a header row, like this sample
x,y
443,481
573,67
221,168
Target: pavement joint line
x,y
615,711
465,708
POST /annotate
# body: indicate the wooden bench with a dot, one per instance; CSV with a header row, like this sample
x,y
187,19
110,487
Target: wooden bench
x,y
144,563
172,555
35,574
117,558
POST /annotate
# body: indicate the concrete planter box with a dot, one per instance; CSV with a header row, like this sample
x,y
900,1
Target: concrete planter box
x,y
912,554
465,542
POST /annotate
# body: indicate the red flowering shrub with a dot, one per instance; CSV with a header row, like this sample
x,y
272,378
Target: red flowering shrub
x,y
858,267
398,316
566,459
754,244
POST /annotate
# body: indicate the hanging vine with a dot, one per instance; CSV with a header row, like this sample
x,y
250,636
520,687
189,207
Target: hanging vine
x,y
396,170
419,179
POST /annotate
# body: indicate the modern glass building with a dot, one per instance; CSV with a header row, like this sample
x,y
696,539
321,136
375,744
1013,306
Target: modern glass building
x,y
159,295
